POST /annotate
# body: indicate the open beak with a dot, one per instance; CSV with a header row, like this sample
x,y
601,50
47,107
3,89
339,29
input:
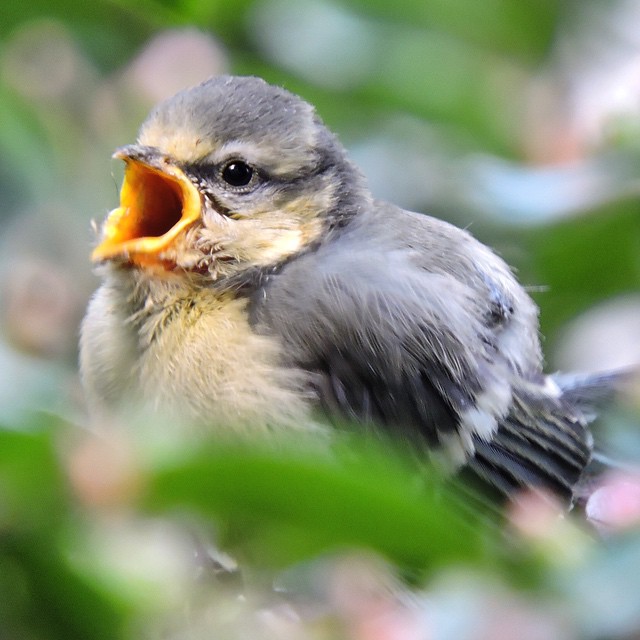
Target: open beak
x,y
157,203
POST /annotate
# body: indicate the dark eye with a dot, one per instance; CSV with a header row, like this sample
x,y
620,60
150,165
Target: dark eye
x,y
237,173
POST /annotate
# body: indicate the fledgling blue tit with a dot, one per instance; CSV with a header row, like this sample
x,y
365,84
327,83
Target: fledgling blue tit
x,y
251,281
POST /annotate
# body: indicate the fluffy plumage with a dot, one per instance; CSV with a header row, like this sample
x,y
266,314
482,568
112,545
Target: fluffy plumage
x,y
297,293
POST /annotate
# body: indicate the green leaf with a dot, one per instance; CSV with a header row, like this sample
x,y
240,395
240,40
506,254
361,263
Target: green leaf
x,y
280,507
584,260
41,594
32,492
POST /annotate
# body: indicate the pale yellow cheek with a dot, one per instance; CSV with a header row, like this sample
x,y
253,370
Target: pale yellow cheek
x,y
264,242
309,208
283,245
264,237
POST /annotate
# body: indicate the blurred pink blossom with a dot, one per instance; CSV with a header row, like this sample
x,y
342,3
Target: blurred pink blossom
x,y
615,506
173,60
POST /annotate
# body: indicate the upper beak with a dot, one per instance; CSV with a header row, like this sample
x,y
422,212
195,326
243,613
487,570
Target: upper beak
x,y
157,203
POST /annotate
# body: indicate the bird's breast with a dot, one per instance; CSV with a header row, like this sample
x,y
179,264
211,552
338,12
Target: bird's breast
x,y
194,357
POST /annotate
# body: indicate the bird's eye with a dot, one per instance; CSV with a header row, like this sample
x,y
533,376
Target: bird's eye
x,y
237,173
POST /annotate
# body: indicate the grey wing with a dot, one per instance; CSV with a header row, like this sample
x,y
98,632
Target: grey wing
x,y
380,357
393,336
402,317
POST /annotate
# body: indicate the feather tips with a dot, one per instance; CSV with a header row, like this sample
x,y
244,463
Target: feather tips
x,y
544,442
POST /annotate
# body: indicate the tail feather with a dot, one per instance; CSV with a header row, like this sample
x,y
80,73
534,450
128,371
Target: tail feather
x,y
545,440
590,393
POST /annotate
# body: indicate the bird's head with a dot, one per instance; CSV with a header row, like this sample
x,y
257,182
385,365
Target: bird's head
x,y
229,175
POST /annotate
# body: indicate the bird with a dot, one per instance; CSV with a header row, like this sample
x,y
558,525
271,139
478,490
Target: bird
x,y
251,282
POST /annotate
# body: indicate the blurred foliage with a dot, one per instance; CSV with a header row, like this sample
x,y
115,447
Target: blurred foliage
x,y
518,119
345,500
100,538
41,594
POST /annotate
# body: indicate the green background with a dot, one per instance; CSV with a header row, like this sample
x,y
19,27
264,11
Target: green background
x,y
517,120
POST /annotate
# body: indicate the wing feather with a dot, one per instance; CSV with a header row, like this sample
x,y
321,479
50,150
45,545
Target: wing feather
x,y
427,348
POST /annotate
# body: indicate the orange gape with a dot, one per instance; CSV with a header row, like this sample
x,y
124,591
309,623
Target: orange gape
x,y
155,207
